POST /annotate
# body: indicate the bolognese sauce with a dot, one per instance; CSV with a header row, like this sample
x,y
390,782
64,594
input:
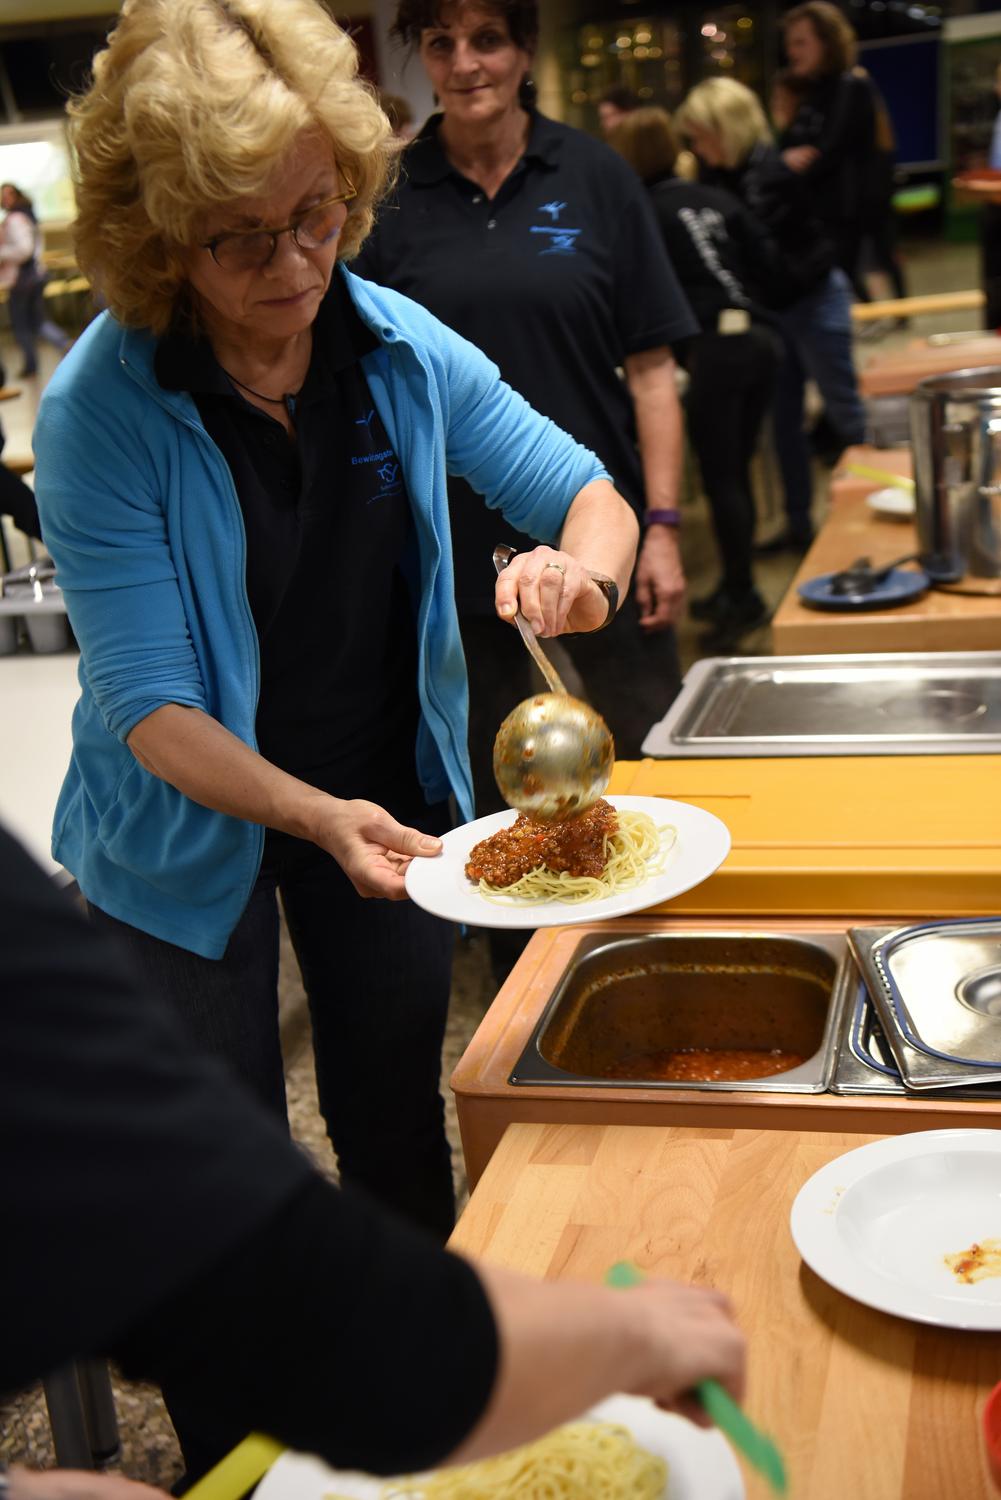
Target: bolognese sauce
x,y
704,1064
577,846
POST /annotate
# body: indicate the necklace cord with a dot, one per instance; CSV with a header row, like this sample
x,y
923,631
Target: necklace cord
x,y
272,400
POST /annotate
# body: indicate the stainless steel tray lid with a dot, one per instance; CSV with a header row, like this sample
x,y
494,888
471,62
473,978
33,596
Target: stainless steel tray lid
x,y
937,991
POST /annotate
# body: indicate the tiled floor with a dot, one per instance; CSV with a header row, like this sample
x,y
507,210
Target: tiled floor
x,y
149,1449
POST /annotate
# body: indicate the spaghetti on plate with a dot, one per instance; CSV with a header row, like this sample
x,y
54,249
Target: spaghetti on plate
x,y
582,1461
596,854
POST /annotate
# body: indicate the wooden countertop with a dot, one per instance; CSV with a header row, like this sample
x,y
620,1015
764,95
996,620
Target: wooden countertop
x,y
936,621
862,1404
898,373
848,486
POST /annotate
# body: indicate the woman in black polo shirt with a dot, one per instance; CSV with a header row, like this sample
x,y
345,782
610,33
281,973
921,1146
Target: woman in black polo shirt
x,y
537,243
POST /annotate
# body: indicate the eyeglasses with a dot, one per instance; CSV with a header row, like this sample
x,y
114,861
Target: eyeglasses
x,y
252,249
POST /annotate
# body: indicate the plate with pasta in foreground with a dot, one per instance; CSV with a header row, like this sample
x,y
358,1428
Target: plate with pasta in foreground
x,y
625,1449
623,855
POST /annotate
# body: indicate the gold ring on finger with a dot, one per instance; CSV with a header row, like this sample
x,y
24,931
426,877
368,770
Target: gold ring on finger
x,y
560,568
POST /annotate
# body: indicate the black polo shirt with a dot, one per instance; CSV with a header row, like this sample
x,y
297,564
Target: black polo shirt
x,y
331,559
557,279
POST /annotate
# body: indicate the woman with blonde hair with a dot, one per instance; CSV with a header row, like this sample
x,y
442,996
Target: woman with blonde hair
x,y
809,294
241,475
723,258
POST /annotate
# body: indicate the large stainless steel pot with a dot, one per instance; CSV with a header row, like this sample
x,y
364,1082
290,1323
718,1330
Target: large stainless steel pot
x,y
956,438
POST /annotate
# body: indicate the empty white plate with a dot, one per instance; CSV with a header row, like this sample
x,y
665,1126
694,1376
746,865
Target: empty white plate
x,y
879,1223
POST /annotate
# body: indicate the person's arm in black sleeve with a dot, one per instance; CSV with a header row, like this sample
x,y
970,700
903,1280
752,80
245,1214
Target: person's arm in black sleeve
x,y
336,1329
158,1212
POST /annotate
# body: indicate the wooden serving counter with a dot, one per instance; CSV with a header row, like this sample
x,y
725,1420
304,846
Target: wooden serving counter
x,y
819,845
936,621
860,1403
487,1103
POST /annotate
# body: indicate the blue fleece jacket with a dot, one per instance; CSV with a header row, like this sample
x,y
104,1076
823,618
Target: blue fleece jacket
x,y
141,515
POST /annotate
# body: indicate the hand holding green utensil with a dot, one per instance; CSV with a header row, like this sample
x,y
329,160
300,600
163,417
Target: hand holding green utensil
x,y
758,1449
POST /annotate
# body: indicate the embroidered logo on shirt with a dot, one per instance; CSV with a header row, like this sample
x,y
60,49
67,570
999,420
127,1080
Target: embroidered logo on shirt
x,y
553,209
365,421
561,241
388,472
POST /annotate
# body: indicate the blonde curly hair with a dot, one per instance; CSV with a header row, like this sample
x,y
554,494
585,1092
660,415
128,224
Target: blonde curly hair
x,y
193,104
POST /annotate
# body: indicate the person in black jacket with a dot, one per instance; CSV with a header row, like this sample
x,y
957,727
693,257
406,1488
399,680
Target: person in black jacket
x,y
720,255
155,1212
831,139
809,294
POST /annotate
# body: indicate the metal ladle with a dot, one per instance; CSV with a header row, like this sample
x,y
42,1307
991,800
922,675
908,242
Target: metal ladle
x,y
553,754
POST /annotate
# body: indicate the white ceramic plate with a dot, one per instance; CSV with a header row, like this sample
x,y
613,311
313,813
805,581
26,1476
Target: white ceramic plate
x,y
441,887
878,1223
700,1464
892,502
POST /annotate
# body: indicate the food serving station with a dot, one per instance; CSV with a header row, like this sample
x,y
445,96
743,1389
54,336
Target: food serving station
x,y
861,798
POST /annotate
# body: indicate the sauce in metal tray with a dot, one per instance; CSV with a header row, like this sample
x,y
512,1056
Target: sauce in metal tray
x,y
705,1064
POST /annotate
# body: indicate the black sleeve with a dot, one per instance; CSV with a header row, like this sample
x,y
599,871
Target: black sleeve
x,y
337,1330
115,1139
848,130
650,307
152,1207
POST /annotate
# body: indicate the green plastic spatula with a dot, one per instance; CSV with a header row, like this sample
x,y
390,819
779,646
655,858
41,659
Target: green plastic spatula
x,y
758,1449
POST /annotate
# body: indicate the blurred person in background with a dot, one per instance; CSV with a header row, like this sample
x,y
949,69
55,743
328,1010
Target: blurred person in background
x,y
614,104
240,473
990,227
21,270
831,138
538,244
879,252
809,295
721,255
157,1214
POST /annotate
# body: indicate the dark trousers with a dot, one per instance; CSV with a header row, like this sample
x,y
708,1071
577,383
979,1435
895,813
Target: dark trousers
x,y
629,677
28,321
732,381
818,346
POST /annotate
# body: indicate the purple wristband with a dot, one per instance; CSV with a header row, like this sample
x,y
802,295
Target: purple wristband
x,y
662,518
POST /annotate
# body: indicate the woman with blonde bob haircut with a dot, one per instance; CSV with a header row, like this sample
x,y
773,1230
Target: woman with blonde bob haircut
x,y
810,296
241,474
724,260
731,113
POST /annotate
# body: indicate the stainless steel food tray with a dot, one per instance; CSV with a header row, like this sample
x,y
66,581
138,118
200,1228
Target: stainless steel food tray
x,y
742,972
946,702
937,991
865,1063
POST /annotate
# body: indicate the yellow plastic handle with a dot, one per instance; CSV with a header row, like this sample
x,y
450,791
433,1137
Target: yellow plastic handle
x,y
239,1471
895,481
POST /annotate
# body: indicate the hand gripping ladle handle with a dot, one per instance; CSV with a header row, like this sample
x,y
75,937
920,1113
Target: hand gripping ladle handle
x,y
502,556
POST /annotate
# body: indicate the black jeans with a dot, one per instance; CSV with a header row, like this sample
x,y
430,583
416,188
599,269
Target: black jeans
x,y
732,382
